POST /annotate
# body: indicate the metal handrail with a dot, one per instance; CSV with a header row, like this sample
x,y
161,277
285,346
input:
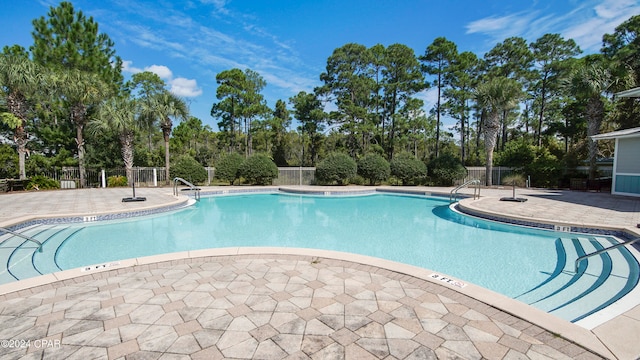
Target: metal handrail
x,y
195,189
29,238
453,195
583,257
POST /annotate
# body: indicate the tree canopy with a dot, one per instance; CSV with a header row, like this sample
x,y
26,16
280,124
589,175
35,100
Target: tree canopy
x,y
370,104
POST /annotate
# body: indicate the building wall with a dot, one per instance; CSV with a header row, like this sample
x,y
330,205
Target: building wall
x,y
627,172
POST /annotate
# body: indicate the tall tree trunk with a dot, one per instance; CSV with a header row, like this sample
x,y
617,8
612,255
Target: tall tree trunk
x,y
81,164
78,117
16,104
541,118
595,113
462,132
491,129
504,130
438,116
21,143
166,133
126,141
478,132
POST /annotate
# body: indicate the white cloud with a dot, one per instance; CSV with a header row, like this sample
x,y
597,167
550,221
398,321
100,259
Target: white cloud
x,y
128,68
179,86
185,87
160,70
604,17
586,23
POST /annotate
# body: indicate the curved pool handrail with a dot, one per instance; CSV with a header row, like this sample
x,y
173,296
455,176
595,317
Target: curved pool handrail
x,y
583,257
453,195
28,238
195,189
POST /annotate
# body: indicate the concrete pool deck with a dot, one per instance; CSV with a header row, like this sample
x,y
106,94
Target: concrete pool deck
x,y
293,303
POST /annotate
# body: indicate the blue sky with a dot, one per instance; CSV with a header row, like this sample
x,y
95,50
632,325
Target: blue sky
x,y
288,41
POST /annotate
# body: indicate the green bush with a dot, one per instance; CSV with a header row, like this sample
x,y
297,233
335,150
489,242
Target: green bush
x,y
259,169
337,167
516,154
189,169
227,167
356,180
374,168
445,169
117,181
41,182
407,168
8,162
545,170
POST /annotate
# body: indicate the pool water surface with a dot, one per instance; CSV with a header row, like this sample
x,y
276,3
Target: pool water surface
x,y
528,264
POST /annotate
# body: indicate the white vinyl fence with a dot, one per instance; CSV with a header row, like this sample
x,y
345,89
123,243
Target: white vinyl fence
x,y
479,172
69,177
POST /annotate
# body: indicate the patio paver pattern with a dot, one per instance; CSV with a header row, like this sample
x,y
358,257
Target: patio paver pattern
x,y
264,307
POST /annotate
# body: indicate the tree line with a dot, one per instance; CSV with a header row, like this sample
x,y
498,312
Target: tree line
x,y
65,103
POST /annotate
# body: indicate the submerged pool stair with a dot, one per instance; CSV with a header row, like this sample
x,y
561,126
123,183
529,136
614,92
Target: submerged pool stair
x,y
21,258
598,282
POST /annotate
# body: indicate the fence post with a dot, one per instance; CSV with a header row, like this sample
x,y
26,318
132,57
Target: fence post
x,y
155,177
103,178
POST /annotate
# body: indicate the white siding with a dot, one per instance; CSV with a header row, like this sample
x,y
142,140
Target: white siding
x,y
628,156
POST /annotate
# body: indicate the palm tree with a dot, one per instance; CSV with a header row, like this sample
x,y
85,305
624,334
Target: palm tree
x,y
82,93
591,82
20,78
118,114
496,97
163,107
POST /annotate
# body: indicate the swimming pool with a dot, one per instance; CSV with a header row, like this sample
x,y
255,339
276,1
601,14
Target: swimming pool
x,y
534,266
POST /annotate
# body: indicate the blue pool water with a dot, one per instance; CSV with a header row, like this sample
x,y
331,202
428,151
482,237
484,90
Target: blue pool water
x,y
529,264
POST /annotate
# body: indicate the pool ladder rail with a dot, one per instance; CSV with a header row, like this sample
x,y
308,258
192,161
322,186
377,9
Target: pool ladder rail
x,y
584,257
28,238
453,195
195,189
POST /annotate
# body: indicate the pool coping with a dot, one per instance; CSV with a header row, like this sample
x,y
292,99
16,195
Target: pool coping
x,y
546,321
573,332
626,233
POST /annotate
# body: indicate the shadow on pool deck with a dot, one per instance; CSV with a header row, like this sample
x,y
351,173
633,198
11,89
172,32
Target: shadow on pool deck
x,y
151,309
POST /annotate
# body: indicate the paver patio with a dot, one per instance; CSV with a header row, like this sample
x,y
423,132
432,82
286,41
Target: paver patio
x,y
294,306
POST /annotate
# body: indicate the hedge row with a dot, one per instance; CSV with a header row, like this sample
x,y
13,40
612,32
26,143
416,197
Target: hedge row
x,y
340,168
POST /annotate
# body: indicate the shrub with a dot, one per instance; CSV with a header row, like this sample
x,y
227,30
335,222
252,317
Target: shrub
x,y
336,167
8,162
445,169
117,181
227,167
516,154
407,168
41,182
259,169
374,168
356,180
545,170
189,169
518,179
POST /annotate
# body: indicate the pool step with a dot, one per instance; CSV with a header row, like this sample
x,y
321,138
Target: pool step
x,y
599,281
44,261
9,244
21,259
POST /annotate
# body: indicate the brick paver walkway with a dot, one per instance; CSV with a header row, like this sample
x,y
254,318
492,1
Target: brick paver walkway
x,y
264,307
